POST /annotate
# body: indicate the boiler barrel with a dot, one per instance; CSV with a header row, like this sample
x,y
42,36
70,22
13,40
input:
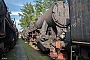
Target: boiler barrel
x,y
47,16
80,21
58,15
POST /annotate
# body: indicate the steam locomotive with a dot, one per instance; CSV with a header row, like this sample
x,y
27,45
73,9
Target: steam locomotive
x,y
8,30
63,30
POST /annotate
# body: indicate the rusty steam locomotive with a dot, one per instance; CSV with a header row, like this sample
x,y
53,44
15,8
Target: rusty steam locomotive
x,y
8,30
63,30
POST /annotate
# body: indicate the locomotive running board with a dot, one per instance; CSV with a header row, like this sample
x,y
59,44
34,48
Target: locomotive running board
x,y
76,42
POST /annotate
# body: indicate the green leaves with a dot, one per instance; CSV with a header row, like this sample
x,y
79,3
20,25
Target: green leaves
x,y
27,16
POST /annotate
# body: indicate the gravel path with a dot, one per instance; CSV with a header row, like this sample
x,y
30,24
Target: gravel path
x,y
20,53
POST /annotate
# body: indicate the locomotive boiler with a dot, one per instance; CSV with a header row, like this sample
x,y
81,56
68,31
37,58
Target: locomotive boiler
x,y
58,15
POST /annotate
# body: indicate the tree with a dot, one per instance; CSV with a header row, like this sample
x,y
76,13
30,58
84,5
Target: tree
x,y
27,16
38,7
42,5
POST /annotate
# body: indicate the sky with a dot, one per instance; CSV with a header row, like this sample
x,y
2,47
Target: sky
x,y
15,6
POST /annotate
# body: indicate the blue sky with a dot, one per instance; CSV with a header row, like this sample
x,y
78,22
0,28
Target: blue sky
x,y
15,6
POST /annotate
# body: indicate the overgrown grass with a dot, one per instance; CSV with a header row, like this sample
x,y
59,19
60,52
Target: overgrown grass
x,y
10,55
27,50
33,54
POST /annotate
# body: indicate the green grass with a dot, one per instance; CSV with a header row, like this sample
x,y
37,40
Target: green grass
x,y
32,53
10,55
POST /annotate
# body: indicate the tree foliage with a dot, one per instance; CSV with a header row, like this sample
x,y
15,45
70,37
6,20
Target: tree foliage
x,y
30,12
27,16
